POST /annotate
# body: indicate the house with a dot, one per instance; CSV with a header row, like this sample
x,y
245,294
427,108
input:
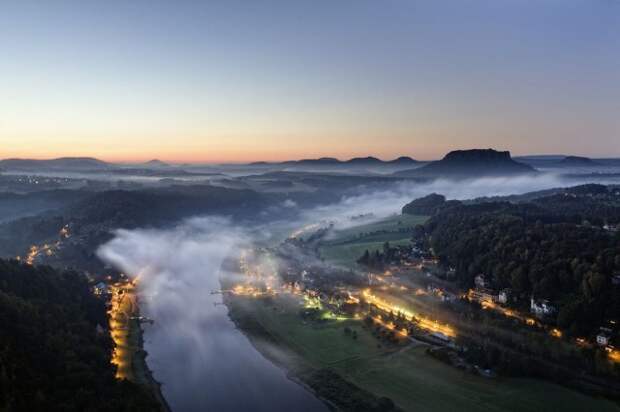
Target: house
x,y
481,295
480,281
504,296
447,297
100,289
541,307
603,338
430,261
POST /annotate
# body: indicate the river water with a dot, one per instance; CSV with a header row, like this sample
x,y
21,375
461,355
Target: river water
x,y
207,364
203,362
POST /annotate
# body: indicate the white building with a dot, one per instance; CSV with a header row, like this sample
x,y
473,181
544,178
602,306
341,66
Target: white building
x,y
603,338
503,296
541,307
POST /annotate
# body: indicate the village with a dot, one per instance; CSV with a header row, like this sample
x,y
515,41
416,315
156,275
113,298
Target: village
x,y
412,298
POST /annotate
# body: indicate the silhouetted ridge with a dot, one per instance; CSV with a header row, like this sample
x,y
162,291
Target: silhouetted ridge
x,y
577,161
471,163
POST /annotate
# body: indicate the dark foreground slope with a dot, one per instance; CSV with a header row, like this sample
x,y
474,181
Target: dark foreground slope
x,y
52,357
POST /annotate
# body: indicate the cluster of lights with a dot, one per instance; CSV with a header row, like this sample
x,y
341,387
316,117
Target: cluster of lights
x,y
46,248
390,326
423,323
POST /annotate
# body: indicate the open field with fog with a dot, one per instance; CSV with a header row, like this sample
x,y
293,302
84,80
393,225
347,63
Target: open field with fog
x,y
345,246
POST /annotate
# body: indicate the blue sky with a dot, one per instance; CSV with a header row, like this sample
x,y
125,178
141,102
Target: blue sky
x,y
250,80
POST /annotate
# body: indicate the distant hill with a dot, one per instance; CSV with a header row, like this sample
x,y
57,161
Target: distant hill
x,y
323,161
471,163
364,161
577,161
63,163
426,205
403,160
547,157
156,163
332,162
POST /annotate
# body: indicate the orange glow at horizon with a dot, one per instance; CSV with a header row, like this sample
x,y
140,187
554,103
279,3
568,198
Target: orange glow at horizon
x,y
201,156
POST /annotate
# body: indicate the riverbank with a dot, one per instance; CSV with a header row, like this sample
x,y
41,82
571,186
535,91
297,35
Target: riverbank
x,y
128,334
325,383
404,374
143,375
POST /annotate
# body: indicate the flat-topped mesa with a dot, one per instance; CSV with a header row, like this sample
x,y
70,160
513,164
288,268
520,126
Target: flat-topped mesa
x,y
471,163
482,155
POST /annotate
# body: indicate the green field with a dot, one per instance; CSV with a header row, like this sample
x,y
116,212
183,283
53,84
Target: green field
x,y
345,246
412,379
418,382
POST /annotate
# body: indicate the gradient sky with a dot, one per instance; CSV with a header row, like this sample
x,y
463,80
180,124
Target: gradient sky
x,y
266,80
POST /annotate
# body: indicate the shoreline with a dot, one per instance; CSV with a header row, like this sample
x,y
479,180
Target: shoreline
x,y
141,371
153,384
327,385
290,372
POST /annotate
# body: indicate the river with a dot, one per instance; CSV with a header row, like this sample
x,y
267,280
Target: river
x,y
209,365
203,362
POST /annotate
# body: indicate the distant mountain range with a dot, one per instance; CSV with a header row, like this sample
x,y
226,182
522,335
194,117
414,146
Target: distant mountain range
x,y
75,164
333,162
484,162
63,163
566,161
471,163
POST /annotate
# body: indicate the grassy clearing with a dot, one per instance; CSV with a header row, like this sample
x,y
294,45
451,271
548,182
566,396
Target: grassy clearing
x,y
412,379
347,254
321,345
390,224
345,246
417,382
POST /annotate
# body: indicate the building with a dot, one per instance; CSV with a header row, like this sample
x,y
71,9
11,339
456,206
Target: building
x,y
504,296
482,295
447,297
100,289
541,307
603,338
480,281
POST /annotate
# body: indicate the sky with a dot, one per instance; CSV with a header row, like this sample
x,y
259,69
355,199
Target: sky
x,y
234,81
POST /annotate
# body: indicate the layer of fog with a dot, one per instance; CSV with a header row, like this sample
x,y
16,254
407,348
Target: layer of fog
x,y
204,362
379,204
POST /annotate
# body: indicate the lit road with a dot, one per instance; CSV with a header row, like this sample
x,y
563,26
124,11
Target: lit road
x,y
123,308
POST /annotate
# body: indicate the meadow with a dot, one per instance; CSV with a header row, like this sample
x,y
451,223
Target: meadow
x,y
404,373
344,247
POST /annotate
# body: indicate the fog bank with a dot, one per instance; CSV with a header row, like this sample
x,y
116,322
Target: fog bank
x,y
203,361
383,203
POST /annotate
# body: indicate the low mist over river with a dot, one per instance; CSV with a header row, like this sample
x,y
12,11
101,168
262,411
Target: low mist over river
x,y
195,351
